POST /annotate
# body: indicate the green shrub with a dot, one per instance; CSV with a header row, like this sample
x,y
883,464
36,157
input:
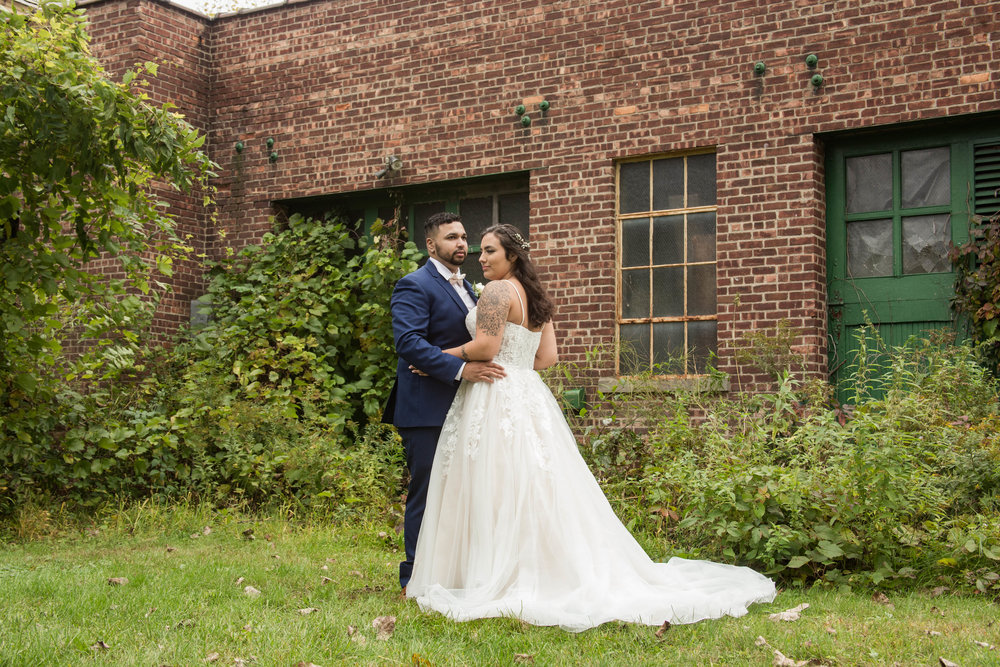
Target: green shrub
x,y
977,285
303,320
275,400
888,492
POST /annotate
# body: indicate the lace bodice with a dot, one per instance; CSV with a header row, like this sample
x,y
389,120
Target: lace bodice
x,y
517,344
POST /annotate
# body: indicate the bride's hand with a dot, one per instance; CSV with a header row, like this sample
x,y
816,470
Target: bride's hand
x,y
417,371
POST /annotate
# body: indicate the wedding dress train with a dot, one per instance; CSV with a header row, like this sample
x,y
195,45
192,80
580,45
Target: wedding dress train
x,y
516,525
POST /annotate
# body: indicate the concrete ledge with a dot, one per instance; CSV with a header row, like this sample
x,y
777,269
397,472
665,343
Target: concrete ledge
x,y
701,384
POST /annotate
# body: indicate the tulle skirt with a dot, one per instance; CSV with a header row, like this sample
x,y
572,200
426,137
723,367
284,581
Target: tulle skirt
x,y
516,525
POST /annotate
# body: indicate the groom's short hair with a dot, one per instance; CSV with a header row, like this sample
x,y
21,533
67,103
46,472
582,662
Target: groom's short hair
x,y
437,220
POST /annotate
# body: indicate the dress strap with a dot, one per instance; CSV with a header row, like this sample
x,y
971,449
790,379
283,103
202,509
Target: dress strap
x,y
524,311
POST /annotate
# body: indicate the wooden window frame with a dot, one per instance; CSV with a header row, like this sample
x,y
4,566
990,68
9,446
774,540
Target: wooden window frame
x,y
650,214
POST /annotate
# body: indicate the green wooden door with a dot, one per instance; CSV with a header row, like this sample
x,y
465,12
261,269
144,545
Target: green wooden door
x,y
895,203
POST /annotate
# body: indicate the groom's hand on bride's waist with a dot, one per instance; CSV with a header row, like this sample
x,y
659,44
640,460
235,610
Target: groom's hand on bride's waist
x,y
482,371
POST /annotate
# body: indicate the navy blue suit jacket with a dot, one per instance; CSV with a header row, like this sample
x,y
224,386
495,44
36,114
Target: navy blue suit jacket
x,y
427,316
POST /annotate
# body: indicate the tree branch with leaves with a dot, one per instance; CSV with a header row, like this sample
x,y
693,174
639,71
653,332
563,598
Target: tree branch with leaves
x,y
79,157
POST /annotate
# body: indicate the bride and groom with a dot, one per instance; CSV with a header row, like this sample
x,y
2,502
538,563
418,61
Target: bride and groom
x,y
503,517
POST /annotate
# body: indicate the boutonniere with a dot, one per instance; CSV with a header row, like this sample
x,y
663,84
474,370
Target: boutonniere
x,y
477,289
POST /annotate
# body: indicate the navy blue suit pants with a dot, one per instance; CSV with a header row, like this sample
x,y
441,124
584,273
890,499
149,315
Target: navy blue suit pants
x,y
420,444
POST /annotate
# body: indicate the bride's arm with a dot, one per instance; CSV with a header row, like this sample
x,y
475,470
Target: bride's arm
x,y
492,310
547,354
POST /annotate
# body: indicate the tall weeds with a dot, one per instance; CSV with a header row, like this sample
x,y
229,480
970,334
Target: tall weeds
x,y
900,487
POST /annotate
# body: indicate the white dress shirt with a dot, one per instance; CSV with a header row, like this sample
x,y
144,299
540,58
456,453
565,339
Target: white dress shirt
x,y
460,289
462,292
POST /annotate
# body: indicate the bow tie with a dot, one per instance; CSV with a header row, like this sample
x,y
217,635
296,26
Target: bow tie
x,y
457,279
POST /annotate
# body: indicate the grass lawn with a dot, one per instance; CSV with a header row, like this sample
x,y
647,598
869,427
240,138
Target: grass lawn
x,y
185,603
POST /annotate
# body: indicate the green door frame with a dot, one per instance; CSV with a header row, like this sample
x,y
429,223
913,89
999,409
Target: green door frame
x,y
898,305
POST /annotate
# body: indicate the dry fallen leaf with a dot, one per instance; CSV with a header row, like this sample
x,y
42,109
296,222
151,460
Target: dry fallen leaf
x,y
308,610
325,568
117,581
100,646
524,657
303,663
240,581
663,628
938,590
666,513
933,633
830,629
984,645
325,580
356,636
211,657
790,614
944,662
194,536
206,531
383,535
251,591
384,627
356,573
151,610
882,598
781,661
937,611
760,641
171,549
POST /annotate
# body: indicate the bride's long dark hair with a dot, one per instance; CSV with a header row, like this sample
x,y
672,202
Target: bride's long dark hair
x,y
540,306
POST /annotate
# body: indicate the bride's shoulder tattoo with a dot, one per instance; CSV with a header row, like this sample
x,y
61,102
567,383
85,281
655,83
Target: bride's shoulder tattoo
x,y
491,311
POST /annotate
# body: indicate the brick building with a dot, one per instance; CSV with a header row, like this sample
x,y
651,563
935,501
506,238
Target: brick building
x,y
689,171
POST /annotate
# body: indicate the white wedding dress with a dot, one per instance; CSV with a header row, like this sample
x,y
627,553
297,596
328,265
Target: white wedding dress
x,y
516,525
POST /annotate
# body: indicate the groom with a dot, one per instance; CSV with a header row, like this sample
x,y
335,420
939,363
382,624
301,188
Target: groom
x,y
428,315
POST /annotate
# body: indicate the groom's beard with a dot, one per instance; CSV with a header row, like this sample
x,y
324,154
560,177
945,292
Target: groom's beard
x,y
456,258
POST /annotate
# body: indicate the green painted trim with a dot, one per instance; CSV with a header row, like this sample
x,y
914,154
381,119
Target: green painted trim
x,y
906,302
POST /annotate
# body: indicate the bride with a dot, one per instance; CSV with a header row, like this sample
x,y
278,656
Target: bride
x,y
515,524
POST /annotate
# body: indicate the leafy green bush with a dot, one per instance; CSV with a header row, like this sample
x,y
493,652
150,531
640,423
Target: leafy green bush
x,y
894,490
303,320
977,285
78,156
275,399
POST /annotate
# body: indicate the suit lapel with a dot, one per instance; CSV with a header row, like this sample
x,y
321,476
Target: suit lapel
x,y
442,283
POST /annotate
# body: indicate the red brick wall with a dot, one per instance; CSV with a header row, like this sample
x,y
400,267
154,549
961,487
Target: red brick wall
x,y
341,83
135,31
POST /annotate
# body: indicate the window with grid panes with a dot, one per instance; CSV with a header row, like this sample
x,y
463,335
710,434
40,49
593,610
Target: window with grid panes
x,y
479,210
667,318
481,202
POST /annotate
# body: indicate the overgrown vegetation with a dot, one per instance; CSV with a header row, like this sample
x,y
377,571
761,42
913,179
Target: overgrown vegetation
x,y
977,285
274,400
889,492
79,155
